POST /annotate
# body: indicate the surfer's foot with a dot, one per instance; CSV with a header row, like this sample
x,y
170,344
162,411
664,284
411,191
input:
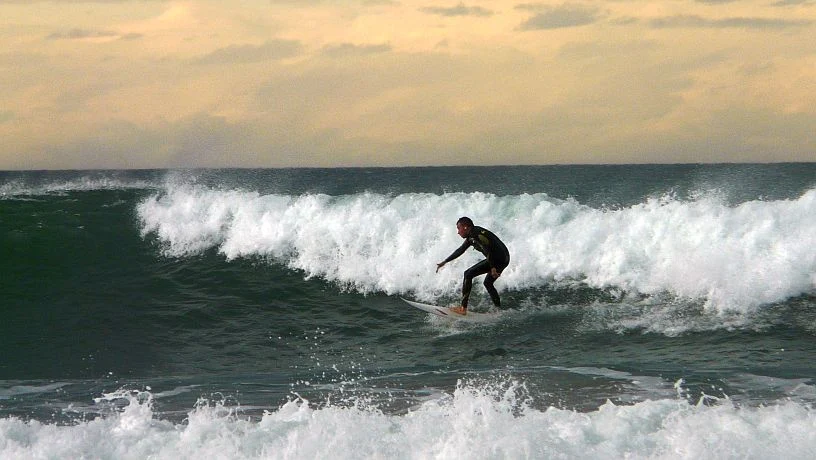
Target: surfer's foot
x,y
460,310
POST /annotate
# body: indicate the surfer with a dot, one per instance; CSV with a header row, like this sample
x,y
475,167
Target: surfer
x,y
498,257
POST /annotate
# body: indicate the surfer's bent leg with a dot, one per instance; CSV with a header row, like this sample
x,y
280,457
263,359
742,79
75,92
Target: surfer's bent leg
x,y
494,294
479,269
488,284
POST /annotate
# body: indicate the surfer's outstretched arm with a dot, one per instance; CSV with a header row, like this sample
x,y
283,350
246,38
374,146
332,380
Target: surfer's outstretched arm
x,y
458,252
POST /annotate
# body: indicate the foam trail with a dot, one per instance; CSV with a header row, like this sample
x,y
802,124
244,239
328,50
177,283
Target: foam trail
x,y
21,187
479,422
734,257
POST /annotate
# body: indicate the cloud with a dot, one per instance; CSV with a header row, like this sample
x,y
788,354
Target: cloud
x,y
246,54
794,2
199,140
531,6
78,1
691,21
132,36
79,34
350,50
563,16
736,134
458,10
83,34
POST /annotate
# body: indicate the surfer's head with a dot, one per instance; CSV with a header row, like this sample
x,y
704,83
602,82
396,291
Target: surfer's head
x,y
463,226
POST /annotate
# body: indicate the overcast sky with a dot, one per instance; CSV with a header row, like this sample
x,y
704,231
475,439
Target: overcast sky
x,y
279,83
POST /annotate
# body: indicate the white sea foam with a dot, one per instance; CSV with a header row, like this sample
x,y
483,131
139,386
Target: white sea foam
x,y
20,390
731,257
473,422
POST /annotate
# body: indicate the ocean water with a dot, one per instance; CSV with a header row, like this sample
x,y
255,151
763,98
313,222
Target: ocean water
x,y
664,311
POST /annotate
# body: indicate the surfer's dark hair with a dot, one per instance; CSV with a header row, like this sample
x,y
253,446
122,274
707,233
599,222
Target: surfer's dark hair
x,y
465,221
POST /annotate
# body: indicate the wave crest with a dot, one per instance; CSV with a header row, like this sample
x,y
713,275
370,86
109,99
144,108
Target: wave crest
x,y
733,257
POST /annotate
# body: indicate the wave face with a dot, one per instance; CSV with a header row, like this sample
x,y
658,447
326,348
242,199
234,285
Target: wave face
x,y
735,257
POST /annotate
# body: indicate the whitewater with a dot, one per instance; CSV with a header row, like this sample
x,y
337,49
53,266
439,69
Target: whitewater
x,y
732,257
473,423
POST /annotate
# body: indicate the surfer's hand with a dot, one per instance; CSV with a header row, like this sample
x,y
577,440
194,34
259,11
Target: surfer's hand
x,y
494,273
439,265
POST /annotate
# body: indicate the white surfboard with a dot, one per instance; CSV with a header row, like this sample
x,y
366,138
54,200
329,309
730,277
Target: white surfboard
x,y
445,312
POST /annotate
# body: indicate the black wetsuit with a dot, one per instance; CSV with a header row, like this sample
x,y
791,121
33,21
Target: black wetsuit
x,y
498,257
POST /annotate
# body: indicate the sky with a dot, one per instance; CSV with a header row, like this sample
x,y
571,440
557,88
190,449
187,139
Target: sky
x,y
329,83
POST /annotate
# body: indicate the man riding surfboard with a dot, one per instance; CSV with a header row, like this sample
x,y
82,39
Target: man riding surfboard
x,y
497,259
